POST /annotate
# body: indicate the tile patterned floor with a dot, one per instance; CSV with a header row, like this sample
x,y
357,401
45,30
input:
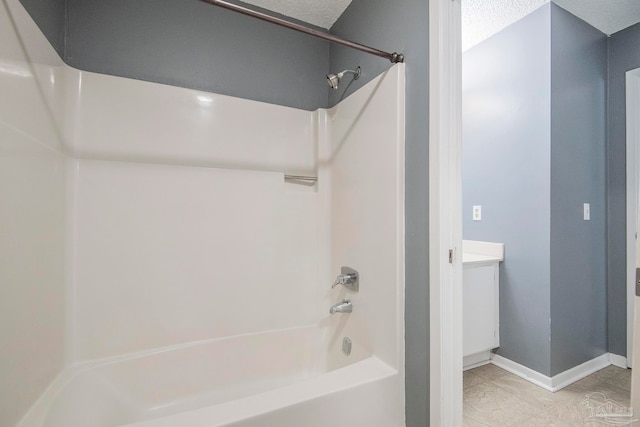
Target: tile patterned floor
x,y
494,397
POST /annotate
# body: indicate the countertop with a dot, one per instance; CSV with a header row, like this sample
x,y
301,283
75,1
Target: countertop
x,y
475,252
468,258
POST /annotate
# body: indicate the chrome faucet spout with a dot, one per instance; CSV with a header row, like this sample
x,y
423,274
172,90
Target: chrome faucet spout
x,y
342,307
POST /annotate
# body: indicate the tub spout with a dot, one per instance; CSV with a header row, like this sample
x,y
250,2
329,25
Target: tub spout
x,y
342,307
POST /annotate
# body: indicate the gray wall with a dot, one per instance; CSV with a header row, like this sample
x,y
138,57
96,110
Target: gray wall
x,y
191,44
624,55
534,122
51,18
506,169
402,26
578,256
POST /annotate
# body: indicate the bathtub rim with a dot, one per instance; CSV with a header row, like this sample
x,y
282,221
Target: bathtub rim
x,y
37,413
362,373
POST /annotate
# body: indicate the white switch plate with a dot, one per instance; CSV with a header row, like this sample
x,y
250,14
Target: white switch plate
x,y
477,213
587,212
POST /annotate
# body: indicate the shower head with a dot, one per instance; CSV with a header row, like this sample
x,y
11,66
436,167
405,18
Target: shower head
x,y
334,79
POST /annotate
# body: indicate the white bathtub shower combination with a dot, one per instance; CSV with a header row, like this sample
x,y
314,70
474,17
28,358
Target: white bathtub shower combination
x,y
196,286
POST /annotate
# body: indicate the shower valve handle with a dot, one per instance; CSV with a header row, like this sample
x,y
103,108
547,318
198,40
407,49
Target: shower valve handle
x,y
344,279
349,278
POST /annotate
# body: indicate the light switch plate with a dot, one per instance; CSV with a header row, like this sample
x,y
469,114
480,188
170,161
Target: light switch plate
x,y
477,213
587,212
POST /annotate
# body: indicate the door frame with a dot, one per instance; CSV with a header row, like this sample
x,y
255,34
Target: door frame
x,y
632,88
445,209
445,213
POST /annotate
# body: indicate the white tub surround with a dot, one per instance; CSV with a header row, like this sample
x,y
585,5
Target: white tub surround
x,y
481,300
362,166
32,228
198,282
131,120
171,254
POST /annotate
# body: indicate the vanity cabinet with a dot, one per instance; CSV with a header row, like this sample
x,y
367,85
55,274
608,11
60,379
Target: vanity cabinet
x,y
480,299
481,311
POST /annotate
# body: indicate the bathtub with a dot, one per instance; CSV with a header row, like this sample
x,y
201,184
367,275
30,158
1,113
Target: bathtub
x,y
277,378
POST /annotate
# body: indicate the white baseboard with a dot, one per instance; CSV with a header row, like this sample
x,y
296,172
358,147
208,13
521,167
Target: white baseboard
x,y
475,360
576,373
522,371
561,380
619,361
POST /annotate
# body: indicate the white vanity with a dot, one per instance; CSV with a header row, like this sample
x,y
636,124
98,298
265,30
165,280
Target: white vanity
x,y
481,311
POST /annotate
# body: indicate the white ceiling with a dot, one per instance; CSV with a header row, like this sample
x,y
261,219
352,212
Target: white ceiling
x,y
321,13
480,18
483,18
609,16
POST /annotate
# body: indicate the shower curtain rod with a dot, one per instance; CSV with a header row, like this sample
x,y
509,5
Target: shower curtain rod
x,y
393,57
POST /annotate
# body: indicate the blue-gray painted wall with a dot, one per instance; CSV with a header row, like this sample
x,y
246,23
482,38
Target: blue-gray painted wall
x,y
506,99
51,19
624,55
190,44
534,138
578,144
402,25
200,46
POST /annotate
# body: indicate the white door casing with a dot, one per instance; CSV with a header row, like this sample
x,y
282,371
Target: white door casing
x,y
633,153
633,224
445,226
445,213
635,371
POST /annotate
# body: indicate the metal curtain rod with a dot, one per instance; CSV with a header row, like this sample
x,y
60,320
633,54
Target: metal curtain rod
x,y
393,57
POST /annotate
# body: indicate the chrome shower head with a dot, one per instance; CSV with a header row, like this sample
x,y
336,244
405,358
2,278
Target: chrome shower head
x,y
333,80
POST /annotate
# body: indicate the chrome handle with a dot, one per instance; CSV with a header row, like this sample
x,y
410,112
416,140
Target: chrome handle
x,y
349,278
345,279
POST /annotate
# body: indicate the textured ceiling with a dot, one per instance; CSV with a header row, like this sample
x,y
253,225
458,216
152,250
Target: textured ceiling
x,y
483,18
480,18
609,16
321,13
